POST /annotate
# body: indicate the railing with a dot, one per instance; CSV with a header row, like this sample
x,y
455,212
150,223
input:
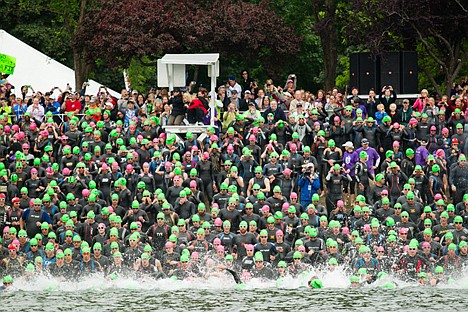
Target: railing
x,y
61,116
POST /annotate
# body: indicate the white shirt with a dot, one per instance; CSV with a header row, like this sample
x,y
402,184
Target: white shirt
x,y
236,87
36,112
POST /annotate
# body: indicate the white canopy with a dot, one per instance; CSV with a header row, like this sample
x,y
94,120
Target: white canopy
x,y
171,71
38,70
195,59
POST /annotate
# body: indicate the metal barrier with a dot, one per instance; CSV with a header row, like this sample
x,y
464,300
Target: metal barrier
x,y
61,116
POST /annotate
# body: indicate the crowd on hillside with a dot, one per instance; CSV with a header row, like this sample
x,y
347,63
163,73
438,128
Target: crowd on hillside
x,y
285,180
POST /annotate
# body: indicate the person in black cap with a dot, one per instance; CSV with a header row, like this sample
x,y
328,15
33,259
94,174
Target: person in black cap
x,y
241,104
202,87
178,108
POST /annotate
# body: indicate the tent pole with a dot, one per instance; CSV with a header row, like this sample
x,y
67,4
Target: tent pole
x,y
213,93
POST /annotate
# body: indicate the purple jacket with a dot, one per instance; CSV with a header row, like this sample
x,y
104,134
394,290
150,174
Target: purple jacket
x,y
420,156
373,158
349,159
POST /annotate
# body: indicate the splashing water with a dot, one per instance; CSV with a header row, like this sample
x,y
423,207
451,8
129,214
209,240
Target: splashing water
x,y
221,292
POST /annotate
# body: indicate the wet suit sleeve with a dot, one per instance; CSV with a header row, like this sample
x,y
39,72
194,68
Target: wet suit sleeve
x,y
235,275
25,214
46,217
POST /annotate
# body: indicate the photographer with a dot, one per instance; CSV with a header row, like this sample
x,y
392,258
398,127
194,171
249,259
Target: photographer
x,y
431,110
388,96
36,110
422,101
230,115
371,104
309,182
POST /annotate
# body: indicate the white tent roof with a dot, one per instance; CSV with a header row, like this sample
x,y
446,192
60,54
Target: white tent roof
x,y
38,70
195,59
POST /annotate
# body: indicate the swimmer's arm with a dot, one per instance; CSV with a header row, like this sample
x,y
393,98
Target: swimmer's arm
x,y
235,275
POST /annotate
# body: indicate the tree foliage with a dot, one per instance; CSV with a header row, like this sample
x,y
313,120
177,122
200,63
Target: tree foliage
x,y
440,26
124,29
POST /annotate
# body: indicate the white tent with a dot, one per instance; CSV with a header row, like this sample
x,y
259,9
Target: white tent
x,y
38,70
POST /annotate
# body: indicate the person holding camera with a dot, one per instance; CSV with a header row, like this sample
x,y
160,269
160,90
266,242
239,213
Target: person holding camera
x,y
387,96
309,183
421,101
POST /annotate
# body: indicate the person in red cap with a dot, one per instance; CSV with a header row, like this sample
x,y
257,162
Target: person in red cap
x,y
3,211
13,215
454,149
13,264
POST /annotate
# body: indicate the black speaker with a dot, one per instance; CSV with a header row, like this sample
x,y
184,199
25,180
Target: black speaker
x,y
368,73
409,72
390,70
354,70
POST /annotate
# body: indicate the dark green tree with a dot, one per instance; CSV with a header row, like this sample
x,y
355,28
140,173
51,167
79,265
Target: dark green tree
x,y
438,26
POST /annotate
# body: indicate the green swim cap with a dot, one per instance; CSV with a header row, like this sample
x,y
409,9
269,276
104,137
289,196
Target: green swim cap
x,y
297,255
316,283
281,264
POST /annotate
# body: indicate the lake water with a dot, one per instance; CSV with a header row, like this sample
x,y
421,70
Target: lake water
x,y
218,294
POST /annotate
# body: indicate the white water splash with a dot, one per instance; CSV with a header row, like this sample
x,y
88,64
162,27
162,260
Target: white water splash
x,y
337,278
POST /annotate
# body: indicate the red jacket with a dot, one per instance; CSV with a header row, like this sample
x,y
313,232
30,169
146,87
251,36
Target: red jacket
x,y
196,103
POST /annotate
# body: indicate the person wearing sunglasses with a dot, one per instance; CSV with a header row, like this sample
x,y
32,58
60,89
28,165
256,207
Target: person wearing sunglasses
x,y
268,250
32,218
260,270
7,282
13,263
460,233
411,263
